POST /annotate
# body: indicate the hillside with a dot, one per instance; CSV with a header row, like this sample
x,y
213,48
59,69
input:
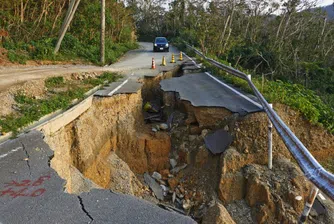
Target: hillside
x,y
329,10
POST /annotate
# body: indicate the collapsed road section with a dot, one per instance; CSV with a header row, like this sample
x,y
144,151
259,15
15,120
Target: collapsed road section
x,y
150,152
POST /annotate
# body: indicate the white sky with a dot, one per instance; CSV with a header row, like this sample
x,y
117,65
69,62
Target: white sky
x,y
325,2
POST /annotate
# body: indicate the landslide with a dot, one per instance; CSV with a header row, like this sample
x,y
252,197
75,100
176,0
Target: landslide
x,y
111,146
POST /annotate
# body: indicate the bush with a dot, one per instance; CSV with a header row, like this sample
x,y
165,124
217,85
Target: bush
x,y
54,82
17,56
71,48
294,95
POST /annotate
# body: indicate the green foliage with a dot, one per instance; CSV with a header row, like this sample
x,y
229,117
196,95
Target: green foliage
x,y
71,48
294,95
31,109
35,37
54,82
17,56
105,77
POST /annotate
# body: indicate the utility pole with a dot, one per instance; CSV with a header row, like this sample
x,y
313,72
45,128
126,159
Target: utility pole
x,y
67,21
103,31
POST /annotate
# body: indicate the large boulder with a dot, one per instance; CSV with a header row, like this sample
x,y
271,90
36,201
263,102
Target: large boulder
x,y
217,215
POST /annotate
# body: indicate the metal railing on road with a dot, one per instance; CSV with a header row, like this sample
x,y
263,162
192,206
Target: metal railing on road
x,y
320,177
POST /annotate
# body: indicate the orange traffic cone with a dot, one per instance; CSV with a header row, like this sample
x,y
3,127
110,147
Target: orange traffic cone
x,y
163,61
173,59
153,64
181,56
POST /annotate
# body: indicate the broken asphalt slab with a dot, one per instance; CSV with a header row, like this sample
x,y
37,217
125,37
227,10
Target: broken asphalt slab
x,y
201,90
32,192
155,187
125,86
218,142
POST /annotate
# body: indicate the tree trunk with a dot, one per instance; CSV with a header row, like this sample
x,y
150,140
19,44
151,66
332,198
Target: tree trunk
x,y
103,30
66,24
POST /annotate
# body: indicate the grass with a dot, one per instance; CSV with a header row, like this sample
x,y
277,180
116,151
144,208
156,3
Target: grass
x,y
31,109
328,164
55,82
294,95
71,49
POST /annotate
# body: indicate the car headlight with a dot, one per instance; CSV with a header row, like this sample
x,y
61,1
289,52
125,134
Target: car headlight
x,y
155,45
167,45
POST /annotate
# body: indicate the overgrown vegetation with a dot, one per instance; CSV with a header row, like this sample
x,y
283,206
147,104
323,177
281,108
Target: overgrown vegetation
x,y
294,95
287,40
33,31
61,94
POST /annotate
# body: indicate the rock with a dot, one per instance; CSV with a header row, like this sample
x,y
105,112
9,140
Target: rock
x,y
173,197
164,190
114,174
192,137
258,192
153,152
163,126
181,196
156,176
77,183
162,182
154,130
218,215
155,187
178,169
202,157
186,204
173,163
173,182
164,174
195,130
232,187
204,133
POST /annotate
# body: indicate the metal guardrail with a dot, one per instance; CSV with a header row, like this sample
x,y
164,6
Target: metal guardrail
x,y
320,177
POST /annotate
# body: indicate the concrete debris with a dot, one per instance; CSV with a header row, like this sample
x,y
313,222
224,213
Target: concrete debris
x,y
156,176
155,187
178,169
204,133
173,163
186,204
164,190
163,126
298,198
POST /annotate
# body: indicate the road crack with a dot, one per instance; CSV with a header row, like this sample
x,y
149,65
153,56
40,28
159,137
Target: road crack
x,y
28,157
84,210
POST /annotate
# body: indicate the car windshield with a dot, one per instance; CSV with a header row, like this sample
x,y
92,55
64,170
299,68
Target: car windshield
x,y
161,40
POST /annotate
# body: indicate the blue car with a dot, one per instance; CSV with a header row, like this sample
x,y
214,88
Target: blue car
x,y
160,44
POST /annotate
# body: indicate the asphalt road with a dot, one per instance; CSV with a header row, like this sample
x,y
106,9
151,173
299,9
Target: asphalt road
x,y
32,193
204,90
138,61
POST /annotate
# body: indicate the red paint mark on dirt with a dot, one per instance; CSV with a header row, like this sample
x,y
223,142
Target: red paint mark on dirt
x,y
25,188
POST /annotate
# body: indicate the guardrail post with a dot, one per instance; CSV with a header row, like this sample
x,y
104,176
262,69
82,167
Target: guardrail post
x,y
309,204
270,143
249,77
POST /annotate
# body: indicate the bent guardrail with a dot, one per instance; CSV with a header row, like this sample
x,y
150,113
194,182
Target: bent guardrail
x,y
320,177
